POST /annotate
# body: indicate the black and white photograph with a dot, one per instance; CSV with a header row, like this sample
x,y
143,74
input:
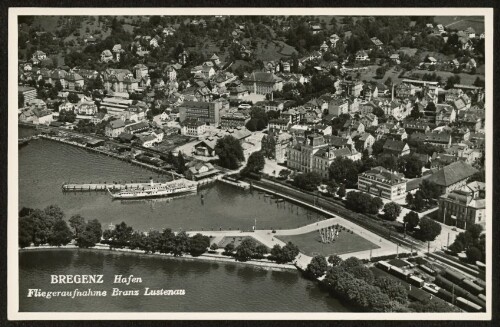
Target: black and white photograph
x,y
312,163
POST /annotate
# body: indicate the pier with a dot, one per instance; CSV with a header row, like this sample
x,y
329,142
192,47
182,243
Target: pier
x,y
87,187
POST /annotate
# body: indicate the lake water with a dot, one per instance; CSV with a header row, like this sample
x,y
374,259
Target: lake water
x,y
209,286
45,165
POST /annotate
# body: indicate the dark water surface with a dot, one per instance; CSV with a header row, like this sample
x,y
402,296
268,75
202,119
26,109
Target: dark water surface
x,y
209,287
45,165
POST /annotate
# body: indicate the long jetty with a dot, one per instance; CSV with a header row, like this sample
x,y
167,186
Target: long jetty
x,y
70,187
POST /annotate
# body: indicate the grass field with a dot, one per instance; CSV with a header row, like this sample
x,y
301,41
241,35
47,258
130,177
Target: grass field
x,y
461,22
465,78
310,243
236,240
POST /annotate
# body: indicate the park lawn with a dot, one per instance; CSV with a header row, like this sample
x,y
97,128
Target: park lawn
x,y
461,22
236,240
465,78
311,245
370,73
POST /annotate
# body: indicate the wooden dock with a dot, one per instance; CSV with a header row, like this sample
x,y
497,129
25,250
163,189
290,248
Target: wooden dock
x,y
69,187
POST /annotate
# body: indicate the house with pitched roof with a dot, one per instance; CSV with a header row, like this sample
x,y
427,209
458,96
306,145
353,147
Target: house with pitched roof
x,y
396,148
114,128
364,141
192,127
262,83
453,176
197,170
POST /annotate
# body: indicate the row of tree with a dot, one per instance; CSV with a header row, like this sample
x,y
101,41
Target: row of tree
x,y
353,282
473,242
47,226
363,202
249,249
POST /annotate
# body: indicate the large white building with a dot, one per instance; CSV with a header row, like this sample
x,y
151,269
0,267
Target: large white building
x,y
383,183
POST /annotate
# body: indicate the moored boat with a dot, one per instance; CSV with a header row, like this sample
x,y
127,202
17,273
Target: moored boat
x,y
175,187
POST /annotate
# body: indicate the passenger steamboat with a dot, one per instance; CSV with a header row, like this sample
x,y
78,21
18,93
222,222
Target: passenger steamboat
x,y
153,190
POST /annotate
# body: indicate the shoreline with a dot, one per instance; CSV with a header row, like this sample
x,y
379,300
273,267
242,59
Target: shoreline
x,y
206,257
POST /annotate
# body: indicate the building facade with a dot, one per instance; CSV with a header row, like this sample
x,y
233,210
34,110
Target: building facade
x,y
383,183
207,112
464,207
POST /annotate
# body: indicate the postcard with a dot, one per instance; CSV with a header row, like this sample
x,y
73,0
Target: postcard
x,y
250,163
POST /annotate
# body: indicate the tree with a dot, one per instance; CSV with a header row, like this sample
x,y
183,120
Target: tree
x,y
465,238
475,231
78,224
341,191
411,219
255,163
430,191
288,253
344,170
409,199
214,247
418,202
351,262
473,254
229,248
246,249
181,163
456,247
307,181
26,231
375,205
358,201
91,234
395,290
198,244
229,151
428,229
331,187
73,98
378,147
415,112
451,81
317,267
391,211
260,117
181,244
335,260
120,236
60,234
260,251
388,82
410,165
137,241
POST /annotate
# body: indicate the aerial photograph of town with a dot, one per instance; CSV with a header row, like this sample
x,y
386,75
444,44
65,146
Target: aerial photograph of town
x,y
233,163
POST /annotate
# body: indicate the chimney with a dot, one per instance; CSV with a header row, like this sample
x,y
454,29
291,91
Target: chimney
x,y
392,93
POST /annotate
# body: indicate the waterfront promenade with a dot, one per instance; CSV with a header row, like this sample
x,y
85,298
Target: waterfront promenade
x,y
269,239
